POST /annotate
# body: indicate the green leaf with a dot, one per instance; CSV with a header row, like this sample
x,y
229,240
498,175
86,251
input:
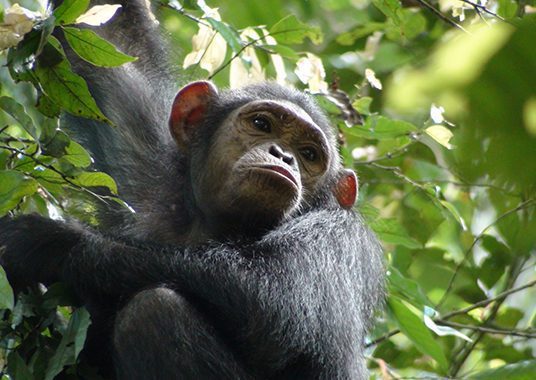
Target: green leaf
x,y
407,25
47,107
390,8
94,49
390,231
229,35
57,145
524,370
440,134
69,11
15,186
17,112
69,91
362,105
381,127
283,51
96,179
290,30
17,368
454,213
349,38
71,343
77,155
507,8
411,323
7,300
406,287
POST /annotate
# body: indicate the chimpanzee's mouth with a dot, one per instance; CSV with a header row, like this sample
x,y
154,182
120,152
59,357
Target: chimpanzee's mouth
x,y
280,172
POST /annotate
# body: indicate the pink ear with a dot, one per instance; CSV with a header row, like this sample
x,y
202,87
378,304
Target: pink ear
x,y
189,108
346,189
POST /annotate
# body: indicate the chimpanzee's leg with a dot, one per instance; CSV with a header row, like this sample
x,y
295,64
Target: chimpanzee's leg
x,y
159,335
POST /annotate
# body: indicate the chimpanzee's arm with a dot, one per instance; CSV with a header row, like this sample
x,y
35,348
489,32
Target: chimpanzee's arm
x,y
43,250
316,278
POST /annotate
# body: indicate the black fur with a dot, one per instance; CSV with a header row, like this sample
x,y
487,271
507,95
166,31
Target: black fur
x,y
293,303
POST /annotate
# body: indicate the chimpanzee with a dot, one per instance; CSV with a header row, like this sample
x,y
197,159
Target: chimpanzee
x,y
243,259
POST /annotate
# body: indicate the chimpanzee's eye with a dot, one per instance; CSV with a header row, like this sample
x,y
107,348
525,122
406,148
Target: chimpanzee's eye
x,y
309,153
262,124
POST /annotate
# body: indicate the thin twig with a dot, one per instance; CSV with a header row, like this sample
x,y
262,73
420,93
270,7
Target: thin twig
x,y
459,312
441,16
488,330
387,156
102,198
482,8
489,300
467,348
476,240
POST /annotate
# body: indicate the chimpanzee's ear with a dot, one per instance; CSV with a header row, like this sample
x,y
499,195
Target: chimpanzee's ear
x,y
346,189
188,110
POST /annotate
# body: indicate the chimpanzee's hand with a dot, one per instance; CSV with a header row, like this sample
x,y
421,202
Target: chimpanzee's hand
x,y
33,249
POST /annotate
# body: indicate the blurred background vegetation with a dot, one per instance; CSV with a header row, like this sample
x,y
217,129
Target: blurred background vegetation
x,y
435,102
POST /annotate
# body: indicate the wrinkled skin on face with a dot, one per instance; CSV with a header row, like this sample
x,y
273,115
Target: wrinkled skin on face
x,y
266,160
254,159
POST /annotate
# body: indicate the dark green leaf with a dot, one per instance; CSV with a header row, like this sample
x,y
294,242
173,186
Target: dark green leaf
x,y
17,368
18,112
15,186
57,145
69,11
7,300
94,49
69,90
407,288
71,344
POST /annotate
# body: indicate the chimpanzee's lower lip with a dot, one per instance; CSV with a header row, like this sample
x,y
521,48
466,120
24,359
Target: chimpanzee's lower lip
x,y
282,171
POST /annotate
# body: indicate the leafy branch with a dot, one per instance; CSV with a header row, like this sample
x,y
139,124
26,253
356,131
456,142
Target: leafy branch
x,y
442,319
64,177
523,205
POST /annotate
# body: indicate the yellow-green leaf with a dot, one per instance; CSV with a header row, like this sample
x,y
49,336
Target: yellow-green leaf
x,y
440,134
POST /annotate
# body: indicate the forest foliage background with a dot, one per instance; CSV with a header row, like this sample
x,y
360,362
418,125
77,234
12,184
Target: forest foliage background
x,y
435,102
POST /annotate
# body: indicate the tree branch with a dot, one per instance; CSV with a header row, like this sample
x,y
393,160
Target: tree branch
x,y
527,203
440,15
442,319
489,330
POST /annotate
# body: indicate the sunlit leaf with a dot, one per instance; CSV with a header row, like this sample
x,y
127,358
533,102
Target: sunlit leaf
x,y
96,179
440,134
290,30
382,127
441,330
94,49
390,231
77,155
411,323
98,14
